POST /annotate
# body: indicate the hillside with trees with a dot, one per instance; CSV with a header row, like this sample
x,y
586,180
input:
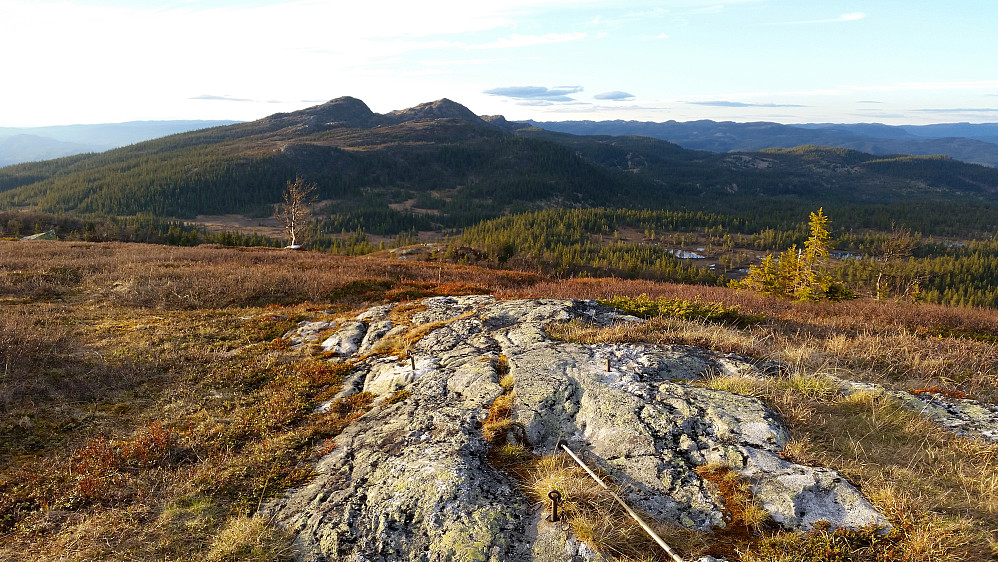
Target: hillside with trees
x,y
510,195
439,166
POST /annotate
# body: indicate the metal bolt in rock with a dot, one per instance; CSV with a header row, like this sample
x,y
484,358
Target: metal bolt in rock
x,y
555,496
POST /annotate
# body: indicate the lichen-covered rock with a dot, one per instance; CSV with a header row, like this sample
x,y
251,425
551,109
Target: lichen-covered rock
x,y
307,332
962,416
347,339
409,481
375,331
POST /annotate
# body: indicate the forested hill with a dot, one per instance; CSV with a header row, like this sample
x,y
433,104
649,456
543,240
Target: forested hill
x,y
968,142
439,156
439,165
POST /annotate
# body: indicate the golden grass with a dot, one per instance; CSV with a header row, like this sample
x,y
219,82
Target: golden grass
x,y
249,538
940,491
401,344
903,345
146,408
745,520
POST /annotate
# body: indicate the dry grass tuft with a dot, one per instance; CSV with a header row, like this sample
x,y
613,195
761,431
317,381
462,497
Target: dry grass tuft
x,y
249,538
400,345
398,396
499,427
742,513
595,516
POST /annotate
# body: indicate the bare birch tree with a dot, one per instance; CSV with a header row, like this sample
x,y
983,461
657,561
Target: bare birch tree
x,y
891,256
297,208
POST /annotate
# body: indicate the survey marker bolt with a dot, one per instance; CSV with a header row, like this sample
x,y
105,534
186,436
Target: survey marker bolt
x,y
555,496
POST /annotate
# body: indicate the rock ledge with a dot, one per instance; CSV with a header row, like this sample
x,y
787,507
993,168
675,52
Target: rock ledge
x,y
409,480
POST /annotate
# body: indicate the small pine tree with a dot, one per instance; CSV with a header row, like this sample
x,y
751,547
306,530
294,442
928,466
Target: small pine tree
x,y
811,282
798,273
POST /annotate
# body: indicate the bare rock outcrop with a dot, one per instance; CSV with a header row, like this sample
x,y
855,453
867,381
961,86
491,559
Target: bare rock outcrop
x,y
410,481
961,415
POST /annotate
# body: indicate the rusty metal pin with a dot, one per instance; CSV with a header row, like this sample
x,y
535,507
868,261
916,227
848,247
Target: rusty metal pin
x,y
608,364
413,359
555,496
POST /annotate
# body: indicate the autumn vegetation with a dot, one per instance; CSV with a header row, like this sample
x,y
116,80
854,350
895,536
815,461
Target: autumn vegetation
x,y
150,405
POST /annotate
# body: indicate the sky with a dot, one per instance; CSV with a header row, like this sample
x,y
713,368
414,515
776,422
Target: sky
x,y
788,61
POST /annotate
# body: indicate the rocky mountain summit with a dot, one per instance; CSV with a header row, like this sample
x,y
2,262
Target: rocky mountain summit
x,y
411,480
348,111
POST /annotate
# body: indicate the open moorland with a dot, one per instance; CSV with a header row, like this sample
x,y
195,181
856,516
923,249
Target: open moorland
x,y
149,405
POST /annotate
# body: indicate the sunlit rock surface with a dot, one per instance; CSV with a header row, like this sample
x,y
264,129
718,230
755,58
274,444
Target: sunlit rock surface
x,y
409,481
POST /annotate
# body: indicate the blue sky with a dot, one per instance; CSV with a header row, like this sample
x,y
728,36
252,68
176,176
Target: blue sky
x,y
790,61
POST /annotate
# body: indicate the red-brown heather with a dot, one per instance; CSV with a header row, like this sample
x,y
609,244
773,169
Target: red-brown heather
x,y
148,404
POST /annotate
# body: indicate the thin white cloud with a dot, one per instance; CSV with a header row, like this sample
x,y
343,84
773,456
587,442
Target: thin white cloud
x,y
517,40
632,17
854,16
614,96
853,89
596,108
211,97
536,93
662,9
725,103
879,115
461,62
960,110
924,86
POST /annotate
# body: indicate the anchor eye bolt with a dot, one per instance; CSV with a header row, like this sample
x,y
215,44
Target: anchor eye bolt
x,y
555,496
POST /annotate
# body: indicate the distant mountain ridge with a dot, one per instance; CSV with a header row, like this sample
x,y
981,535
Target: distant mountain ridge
x,y
21,147
968,142
30,144
439,166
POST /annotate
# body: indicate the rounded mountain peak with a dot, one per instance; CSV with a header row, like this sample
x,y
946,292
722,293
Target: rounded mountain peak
x,y
347,110
440,109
